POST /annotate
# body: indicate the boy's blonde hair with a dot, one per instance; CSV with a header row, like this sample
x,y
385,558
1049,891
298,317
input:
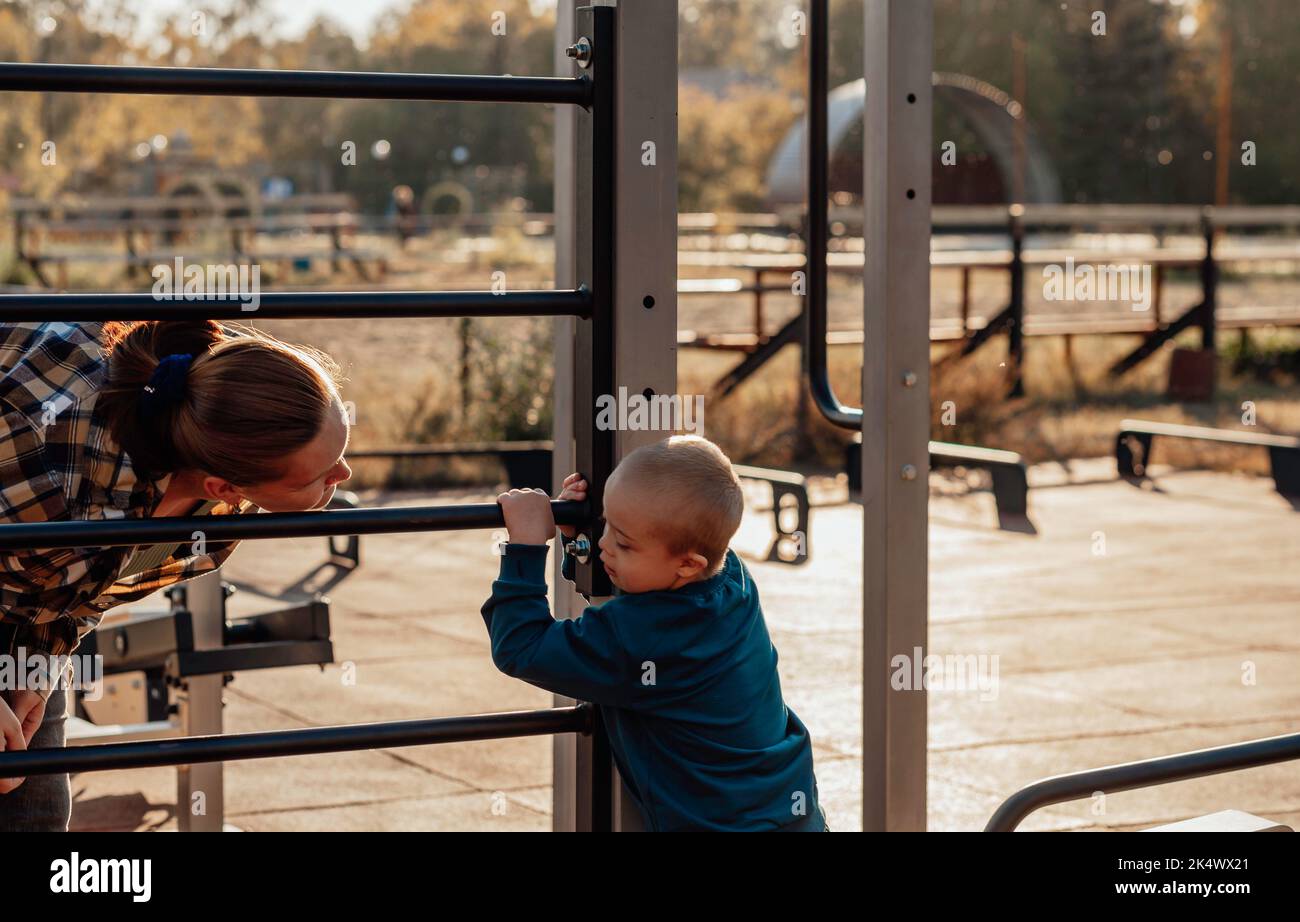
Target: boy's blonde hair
x,y
698,499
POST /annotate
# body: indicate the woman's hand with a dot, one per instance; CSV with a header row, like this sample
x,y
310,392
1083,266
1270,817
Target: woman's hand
x,y
29,708
11,740
573,489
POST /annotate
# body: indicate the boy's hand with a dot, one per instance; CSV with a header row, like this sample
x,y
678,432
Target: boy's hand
x,y
574,488
528,516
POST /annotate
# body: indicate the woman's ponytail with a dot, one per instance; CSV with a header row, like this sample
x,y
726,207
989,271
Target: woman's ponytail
x,y
192,394
140,421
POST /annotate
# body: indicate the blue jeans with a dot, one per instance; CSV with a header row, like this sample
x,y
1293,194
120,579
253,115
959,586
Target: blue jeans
x,y
42,803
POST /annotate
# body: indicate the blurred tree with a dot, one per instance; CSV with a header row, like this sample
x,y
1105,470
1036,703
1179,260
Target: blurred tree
x,y
501,141
724,146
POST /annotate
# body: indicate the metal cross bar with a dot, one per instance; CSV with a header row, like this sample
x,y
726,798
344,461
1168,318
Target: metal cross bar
x,y
226,81
24,308
298,742
392,520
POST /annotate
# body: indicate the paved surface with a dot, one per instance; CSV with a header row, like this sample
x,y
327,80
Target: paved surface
x,y
1105,654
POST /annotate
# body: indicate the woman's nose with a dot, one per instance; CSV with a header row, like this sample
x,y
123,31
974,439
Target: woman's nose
x,y
341,473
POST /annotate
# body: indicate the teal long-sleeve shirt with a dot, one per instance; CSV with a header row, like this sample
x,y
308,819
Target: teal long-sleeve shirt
x,y
688,688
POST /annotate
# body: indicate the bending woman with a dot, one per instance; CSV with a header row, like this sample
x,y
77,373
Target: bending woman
x,y
103,421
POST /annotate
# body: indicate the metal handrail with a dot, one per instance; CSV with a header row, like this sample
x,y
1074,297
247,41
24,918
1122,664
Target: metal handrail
x,y
192,750
1147,773
816,360
25,308
388,520
226,81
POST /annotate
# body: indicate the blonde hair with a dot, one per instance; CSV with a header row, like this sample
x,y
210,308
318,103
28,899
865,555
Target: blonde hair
x,y
698,499
248,401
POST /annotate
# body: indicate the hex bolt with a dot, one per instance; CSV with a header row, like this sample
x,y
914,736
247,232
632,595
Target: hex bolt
x,y
580,51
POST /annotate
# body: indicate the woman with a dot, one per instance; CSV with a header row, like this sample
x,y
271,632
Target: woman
x,y
102,421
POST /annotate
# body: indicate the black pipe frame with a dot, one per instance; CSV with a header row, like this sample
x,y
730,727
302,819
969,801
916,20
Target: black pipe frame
x,y
297,742
316,84
816,361
217,528
295,305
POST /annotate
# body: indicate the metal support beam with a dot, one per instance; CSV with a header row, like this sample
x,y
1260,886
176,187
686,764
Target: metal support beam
x,y
200,787
630,195
896,416
565,602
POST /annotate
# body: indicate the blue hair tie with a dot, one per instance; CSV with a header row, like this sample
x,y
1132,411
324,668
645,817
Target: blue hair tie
x,y
166,385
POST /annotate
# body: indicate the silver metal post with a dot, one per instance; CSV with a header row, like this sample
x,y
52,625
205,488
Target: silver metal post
x,y
200,789
896,417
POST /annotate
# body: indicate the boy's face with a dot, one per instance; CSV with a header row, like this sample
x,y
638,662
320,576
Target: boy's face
x,y
634,558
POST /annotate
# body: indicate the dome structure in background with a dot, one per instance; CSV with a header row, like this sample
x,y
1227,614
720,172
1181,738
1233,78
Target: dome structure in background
x,y
989,112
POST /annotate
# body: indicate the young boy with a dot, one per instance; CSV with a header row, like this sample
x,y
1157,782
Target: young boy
x,y
680,660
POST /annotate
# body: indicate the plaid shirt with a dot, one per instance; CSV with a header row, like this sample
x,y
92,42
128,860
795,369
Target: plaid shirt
x,y
58,462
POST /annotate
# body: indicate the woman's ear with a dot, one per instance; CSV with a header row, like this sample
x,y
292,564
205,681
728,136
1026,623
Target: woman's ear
x,y
224,490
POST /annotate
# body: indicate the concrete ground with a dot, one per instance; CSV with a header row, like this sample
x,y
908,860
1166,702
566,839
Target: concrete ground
x,y
1127,621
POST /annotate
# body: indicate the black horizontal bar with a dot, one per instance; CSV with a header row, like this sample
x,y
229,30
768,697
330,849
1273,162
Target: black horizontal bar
x,y
299,742
387,520
222,81
1147,773
34,308
453,450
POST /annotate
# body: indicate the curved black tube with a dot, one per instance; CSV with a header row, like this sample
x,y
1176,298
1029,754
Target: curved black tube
x,y
816,362
1126,777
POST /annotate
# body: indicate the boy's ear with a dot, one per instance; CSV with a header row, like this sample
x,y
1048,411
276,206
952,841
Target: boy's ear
x,y
690,566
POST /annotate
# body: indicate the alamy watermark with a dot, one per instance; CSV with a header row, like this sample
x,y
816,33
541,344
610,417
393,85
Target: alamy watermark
x,y
650,411
45,671
197,282
953,672
1098,283
75,874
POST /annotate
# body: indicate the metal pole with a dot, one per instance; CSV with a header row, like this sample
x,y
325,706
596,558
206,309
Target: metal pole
x,y
1209,283
816,358
645,232
566,603
896,413
200,787
222,81
388,520
299,742
25,308
591,782
1016,320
